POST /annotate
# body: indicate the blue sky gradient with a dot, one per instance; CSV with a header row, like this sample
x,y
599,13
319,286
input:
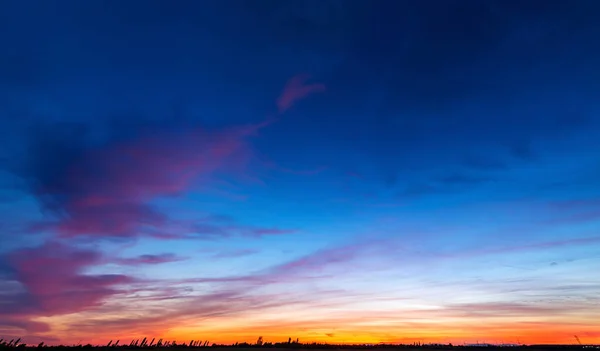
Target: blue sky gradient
x,y
336,171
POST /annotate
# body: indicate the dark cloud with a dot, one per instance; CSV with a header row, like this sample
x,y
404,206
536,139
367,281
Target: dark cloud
x,y
103,190
99,183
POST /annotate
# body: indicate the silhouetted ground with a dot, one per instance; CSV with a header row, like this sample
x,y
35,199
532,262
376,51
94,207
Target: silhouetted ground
x,y
315,347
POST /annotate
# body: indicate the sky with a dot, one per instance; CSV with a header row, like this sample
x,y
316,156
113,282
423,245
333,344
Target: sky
x,y
336,171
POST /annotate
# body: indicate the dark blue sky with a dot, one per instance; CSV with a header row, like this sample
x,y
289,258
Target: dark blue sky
x,y
439,143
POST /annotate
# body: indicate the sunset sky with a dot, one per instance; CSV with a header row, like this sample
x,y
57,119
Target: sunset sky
x,y
329,170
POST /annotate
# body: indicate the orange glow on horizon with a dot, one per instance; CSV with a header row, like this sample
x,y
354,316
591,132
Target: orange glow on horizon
x,y
521,333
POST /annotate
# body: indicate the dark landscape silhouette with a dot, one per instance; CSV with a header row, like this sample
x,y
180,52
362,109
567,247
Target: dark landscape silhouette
x,y
153,344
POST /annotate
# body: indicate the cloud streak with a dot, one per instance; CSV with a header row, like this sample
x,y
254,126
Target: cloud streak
x,y
297,89
105,190
53,276
150,259
50,280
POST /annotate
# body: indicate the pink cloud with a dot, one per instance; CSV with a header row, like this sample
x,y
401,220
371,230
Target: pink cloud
x,y
109,219
25,324
53,275
296,89
106,192
153,166
108,189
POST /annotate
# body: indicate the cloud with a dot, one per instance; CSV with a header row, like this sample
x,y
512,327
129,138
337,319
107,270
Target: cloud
x,y
235,253
393,251
495,250
296,89
105,190
150,259
270,231
547,245
557,212
317,261
308,267
154,306
103,187
239,311
51,280
24,324
507,309
184,310
217,228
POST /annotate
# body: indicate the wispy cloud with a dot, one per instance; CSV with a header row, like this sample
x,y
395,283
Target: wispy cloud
x,y
235,253
271,231
51,280
105,191
296,89
150,259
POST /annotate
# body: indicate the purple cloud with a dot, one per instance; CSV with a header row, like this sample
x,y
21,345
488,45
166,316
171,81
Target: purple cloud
x,y
53,276
235,253
109,187
150,259
50,280
105,190
296,89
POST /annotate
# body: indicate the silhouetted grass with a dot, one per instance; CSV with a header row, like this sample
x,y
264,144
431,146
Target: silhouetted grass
x,y
137,344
